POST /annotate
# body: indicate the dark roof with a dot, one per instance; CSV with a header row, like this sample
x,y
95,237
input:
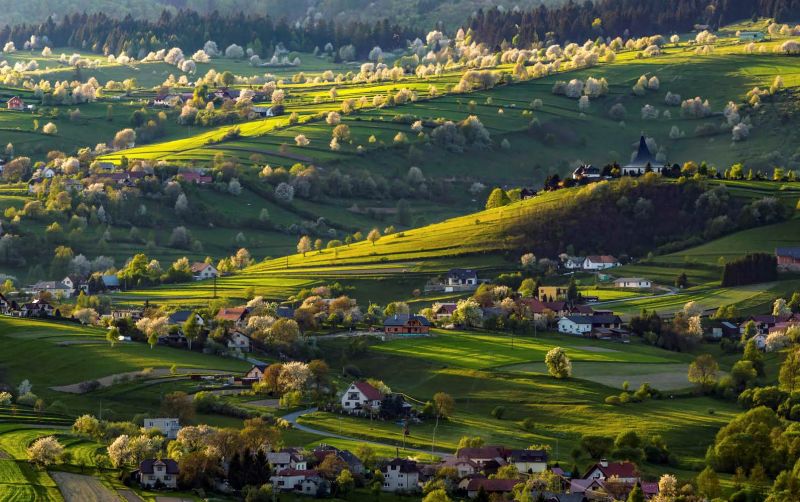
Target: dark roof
x,y
180,316
111,280
643,155
403,319
528,456
146,467
482,452
462,273
405,465
790,252
284,311
492,485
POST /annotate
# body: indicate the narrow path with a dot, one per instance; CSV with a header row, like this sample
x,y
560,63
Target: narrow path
x,y
293,417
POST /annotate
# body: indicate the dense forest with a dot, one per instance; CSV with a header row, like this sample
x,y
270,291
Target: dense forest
x,y
190,30
578,21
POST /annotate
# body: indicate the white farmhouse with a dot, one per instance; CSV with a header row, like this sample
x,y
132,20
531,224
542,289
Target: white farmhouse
x,y
361,395
600,262
575,324
167,426
202,271
633,282
400,475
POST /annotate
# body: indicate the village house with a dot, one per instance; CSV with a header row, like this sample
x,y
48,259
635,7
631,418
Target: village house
x,y
404,324
574,262
460,279
202,271
484,454
76,284
463,466
354,464
626,472
234,315
239,341
788,259
169,427
286,459
37,308
132,314
751,36
553,293
6,306
716,330
400,475
586,172
491,486
545,309
56,288
443,311
288,480
158,473
263,111
632,282
196,178
599,262
110,282
360,397
256,373
528,461
763,323
179,317
642,162
15,103
584,324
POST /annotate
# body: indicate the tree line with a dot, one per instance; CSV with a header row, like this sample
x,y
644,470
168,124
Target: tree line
x,y
579,21
188,29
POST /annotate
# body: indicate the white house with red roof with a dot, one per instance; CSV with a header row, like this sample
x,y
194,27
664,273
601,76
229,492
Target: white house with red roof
x,y
202,271
600,262
15,103
626,472
361,395
293,479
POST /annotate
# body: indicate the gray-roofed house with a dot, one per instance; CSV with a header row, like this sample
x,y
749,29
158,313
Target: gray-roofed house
x,y
584,324
179,317
158,472
404,324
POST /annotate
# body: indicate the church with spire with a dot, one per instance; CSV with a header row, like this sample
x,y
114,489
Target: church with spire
x,y
643,162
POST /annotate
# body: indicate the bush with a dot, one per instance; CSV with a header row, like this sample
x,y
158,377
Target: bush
x,y
613,400
498,412
529,424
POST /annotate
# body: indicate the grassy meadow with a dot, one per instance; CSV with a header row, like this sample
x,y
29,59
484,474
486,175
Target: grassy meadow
x,y
483,371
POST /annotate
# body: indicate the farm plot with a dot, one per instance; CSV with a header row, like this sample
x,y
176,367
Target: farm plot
x,y
80,488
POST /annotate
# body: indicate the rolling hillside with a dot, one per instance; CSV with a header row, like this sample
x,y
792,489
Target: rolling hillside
x,y
395,265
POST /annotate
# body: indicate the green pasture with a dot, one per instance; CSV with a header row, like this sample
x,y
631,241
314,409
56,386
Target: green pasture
x,y
64,350
559,411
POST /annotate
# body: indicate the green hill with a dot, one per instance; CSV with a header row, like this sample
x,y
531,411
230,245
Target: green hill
x,y
493,240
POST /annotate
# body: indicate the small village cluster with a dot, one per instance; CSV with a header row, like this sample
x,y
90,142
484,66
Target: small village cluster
x,y
474,471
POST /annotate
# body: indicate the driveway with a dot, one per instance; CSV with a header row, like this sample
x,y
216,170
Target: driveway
x,y
293,417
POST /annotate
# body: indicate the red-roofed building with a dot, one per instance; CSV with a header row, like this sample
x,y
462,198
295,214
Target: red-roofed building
x,y
235,315
600,262
627,472
490,486
360,397
196,178
15,103
443,311
201,271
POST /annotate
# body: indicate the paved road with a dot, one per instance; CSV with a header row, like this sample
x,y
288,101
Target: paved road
x,y
292,419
